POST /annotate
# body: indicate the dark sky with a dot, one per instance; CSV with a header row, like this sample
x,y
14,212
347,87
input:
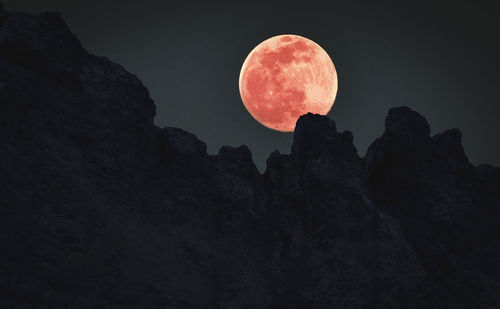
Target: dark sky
x,y
441,60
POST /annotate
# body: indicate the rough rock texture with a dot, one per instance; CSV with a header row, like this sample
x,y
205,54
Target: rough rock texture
x,y
101,209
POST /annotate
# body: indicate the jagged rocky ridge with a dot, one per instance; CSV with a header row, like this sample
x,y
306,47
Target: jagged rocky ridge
x,y
99,208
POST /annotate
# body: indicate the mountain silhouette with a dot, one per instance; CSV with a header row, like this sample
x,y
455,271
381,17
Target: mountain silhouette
x,y
100,208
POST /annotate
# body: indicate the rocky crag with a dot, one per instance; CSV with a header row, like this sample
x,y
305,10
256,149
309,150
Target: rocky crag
x,y
99,208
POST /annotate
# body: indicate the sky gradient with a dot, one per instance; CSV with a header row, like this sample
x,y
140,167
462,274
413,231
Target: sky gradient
x,y
440,60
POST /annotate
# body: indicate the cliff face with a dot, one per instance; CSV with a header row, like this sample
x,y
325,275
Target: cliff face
x,y
99,208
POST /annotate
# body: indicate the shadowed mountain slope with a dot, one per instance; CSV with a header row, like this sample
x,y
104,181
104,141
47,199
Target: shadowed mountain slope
x,y
99,208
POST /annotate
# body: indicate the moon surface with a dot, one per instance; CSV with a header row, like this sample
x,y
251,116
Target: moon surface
x,y
285,77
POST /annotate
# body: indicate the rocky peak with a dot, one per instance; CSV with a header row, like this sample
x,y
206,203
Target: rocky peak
x,y
393,160
41,42
406,124
47,68
182,153
447,154
407,151
177,142
275,165
316,139
237,160
313,130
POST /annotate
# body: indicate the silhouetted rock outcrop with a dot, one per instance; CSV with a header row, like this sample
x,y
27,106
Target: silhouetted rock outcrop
x,y
99,208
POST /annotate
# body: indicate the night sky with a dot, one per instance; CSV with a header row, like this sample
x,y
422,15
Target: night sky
x,y
441,60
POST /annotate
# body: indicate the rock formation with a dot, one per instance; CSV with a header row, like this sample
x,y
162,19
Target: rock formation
x,y
99,208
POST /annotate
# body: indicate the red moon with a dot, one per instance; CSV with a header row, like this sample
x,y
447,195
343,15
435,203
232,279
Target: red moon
x,y
285,77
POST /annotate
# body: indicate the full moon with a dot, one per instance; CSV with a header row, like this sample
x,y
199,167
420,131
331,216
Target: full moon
x,y
285,77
